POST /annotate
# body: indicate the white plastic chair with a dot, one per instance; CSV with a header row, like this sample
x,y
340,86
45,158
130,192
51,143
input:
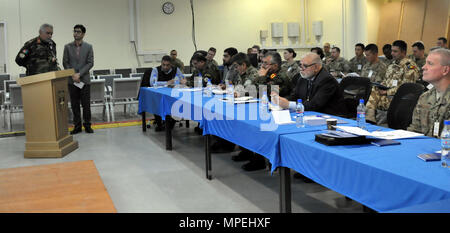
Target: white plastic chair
x,y
14,104
98,98
124,92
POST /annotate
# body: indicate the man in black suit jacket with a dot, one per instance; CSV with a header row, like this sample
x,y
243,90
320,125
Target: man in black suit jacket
x,y
318,90
78,55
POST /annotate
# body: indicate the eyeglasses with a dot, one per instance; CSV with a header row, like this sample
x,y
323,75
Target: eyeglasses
x,y
306,66
49,33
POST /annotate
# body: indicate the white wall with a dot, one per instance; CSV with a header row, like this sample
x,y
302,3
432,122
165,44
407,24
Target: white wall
x,y
219,23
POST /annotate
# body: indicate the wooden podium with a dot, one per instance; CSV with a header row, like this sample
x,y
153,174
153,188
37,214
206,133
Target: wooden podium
x,y
45,97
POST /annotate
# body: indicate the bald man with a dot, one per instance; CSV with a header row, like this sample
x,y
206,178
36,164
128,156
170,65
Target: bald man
x,y
433,106
318,90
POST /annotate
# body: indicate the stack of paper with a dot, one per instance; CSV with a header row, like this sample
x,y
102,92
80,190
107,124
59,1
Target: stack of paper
x,y
394,134
282,117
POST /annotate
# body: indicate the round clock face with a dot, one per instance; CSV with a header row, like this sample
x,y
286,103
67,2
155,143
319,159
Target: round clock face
x,y
168,8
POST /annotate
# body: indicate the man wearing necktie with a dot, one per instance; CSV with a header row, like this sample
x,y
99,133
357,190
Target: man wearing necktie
x,y
317,88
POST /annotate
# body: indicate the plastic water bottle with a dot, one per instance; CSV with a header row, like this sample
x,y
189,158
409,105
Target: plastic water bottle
x,y
230,93
361,115
155,81
200,81
445,145
300,110
176,80
209,88
264,105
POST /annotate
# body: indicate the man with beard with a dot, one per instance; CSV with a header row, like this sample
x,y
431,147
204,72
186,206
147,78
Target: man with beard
x,y
317,88
227,54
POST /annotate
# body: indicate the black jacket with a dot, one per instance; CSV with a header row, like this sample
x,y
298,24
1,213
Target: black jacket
x,y
325,95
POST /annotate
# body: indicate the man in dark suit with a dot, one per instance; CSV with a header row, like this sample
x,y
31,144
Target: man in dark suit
x,y
317,88
78,55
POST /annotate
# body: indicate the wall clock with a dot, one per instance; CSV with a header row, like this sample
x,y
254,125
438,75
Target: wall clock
x,y
168,8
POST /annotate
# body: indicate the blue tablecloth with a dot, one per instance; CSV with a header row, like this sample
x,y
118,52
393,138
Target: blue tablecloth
x,y
237,123
442,206
382,178
240,124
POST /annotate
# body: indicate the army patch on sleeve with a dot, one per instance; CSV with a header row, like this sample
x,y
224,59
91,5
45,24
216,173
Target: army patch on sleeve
x,y
412,67
272,76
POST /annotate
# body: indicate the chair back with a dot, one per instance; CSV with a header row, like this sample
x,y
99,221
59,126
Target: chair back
x,y
124,72
401,109
101,72
15,95
126,88
97,90
109,78
7,83
3,77
353,89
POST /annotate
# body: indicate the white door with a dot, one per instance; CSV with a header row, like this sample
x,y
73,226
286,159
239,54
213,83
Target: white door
x,y
3,53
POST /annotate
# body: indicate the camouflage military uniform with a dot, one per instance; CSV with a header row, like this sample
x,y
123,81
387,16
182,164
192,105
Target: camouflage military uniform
x,y
375,72
430,109
209,72
279,78
213,62
291,69
38,56
420,63
386,61
179,64
357,63
249,77
327,55
399,72
338,65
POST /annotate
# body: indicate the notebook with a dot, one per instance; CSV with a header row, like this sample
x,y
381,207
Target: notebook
x,y
427,157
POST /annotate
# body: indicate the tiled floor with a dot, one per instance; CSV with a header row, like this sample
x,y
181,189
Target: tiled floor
x,y
141,176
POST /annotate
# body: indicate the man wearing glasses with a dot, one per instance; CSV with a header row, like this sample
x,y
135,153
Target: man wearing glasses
x,y
317,88
38,55
79,55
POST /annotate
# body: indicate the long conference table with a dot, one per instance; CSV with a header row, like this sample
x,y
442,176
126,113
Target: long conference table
x,y
382,178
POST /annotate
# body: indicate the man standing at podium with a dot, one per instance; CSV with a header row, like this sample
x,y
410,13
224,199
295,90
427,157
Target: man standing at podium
x,y
79,55
38,55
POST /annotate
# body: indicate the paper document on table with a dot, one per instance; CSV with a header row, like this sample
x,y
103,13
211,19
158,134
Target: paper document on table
x,y
190,89
354,130
282,117
395,134
79,85
240,100
219,92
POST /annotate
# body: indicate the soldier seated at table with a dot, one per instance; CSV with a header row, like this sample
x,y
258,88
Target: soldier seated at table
x,y
204,70
374,69
269,75
336,65
359,60
402,70
165,74
433,106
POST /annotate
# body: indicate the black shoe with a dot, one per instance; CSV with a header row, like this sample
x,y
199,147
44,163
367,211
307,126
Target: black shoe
x,y
88,130
242,156
302,177
159,128
219,147
198,130
254,165
75,131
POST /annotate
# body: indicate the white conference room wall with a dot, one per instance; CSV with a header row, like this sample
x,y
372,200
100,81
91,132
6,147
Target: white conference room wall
x,y
221,24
